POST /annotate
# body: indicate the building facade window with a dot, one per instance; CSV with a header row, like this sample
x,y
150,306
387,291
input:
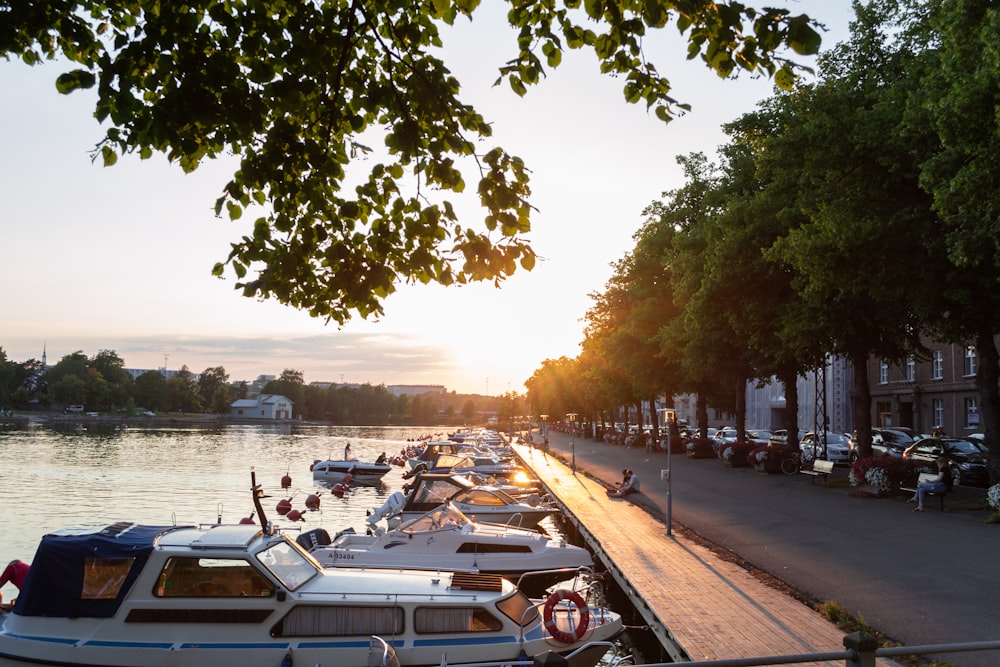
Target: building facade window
x,y
883,410
911,368
937,365
937,407
970,361
883,372
971,412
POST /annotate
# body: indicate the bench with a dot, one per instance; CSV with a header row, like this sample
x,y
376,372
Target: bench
x,y
819,469
926,477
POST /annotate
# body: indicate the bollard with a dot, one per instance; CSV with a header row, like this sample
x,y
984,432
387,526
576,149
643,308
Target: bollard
x,y
864,649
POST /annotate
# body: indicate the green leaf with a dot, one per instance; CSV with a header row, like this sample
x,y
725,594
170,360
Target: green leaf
x,y
79,78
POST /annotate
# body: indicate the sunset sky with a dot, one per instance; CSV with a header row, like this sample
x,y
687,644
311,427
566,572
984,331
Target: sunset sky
x,y
120,258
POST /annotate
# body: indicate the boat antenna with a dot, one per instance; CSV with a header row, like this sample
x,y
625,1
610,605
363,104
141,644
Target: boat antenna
x,y
257,493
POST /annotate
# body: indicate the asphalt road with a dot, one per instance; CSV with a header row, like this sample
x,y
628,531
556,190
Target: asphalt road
x,y
919,578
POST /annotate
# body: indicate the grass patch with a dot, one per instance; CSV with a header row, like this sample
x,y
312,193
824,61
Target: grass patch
x,y
833,612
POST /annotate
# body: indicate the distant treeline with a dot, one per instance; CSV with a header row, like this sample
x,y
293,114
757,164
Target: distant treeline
x,y
101,384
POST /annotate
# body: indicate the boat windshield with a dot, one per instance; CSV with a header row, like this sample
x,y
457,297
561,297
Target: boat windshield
x,y
442,518
288,564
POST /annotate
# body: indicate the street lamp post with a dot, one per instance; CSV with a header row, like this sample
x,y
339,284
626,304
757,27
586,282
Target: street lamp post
x,y
666,413
572,440
545,433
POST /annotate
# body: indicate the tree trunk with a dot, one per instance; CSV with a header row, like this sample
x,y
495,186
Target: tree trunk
x,y
987,376
862,405
701,412
741,410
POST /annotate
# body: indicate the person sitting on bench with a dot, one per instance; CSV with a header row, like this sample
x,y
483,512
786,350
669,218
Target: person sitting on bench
x,y
940,484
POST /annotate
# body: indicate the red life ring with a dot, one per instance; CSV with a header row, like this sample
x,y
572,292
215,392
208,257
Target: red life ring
x,y
562,636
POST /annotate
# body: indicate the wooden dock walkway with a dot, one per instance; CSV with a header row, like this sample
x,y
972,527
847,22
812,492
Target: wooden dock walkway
x,y
700,606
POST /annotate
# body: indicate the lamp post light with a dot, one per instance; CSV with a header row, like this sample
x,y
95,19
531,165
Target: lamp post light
x,y
667,414
572,440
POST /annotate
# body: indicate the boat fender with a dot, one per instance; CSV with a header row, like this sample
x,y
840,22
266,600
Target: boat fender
x,y
283,507
564,636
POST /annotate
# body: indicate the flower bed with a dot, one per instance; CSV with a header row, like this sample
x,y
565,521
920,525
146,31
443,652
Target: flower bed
x,y
736,453
700,448
884,474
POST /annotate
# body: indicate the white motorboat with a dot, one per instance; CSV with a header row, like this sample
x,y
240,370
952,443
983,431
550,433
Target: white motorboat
x,y
489,504
203,596
360,471
446,539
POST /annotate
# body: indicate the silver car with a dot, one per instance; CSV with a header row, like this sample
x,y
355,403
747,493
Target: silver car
x,y
836,446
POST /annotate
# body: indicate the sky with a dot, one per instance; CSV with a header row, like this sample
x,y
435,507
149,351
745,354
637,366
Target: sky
x,y
120,258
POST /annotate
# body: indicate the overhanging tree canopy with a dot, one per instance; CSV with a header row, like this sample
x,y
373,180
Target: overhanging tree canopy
x,y
294,89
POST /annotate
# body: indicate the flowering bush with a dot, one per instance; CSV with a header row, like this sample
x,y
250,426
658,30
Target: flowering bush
x,y
879,480
993,496
883,473
757,455
727,453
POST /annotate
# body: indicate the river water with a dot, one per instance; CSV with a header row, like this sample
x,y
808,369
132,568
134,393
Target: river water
x,y
66,474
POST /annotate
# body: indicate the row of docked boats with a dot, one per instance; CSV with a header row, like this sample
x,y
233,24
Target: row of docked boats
x,y
437,588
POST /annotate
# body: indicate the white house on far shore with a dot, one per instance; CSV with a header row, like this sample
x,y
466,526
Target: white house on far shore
x,y
265,406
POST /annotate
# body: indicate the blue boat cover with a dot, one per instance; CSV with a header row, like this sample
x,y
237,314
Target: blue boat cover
x,y
57,581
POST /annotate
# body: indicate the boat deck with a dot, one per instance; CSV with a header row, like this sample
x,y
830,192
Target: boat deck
x,y
701,606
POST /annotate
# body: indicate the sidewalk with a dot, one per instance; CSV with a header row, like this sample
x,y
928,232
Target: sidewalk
x,y
918,578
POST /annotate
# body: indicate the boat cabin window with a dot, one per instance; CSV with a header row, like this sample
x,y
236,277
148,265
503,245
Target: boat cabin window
x,y
103,577
435,620
289,565
211,577
518,608
482,498
331,621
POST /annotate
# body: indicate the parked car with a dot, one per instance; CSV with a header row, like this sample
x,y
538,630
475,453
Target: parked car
x,y
779,438
724,436
892,441
968,463
760,438
837,448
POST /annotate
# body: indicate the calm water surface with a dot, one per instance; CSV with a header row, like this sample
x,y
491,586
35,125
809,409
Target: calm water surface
x,y
66,476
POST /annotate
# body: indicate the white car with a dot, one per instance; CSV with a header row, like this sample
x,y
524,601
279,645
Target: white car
x,y
837,447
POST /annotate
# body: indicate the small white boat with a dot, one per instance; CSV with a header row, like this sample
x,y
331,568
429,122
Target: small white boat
x,y
489,504
446,539
360,471
127,595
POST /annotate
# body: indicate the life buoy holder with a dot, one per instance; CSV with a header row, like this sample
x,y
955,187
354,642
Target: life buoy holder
x,y
564,636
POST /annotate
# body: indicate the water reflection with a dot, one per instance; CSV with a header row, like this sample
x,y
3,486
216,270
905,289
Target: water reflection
x,y
56,477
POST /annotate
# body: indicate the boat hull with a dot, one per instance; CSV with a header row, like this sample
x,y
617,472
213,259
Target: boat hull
x,y
361,473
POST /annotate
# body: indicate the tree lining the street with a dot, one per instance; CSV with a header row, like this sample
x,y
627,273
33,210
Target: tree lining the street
x,y
848,217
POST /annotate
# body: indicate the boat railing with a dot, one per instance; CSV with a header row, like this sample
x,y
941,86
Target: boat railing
x,y
380,654
444,593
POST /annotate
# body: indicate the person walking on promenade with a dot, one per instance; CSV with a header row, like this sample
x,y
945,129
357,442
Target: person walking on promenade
x,y
940,484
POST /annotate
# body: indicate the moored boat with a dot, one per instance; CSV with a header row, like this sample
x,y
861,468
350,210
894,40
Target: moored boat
x,y
446,539
485,503
360,472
